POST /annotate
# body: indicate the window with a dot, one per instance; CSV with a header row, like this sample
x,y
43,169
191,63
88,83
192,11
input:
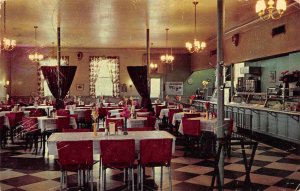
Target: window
x,y
155,88
104,76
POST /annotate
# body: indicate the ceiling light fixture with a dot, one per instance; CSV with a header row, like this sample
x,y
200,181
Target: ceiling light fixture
x,y
196,46
35,57
167,58
271,11
5,43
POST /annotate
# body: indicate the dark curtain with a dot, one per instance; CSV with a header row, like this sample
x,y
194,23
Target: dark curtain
x,y
66,76
138,75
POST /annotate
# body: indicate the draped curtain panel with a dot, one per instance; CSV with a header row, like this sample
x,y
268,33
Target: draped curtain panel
x,y
51,61
138,75
66,76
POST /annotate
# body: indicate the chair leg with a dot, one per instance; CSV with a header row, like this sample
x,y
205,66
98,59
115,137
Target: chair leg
x,y
91,179
170,177
161,177
132,178
142,178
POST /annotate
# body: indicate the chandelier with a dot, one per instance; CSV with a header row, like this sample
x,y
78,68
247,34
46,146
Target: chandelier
x,y
35,57
167,58
271,11
5,43
196,46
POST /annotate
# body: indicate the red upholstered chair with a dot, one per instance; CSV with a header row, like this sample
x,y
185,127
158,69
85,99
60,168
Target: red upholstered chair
x,y
37,112
69,159
102,113
150,121
171,113
153,153
3,130
158,108
122,157
192,134
15,119
31,131
62,123
63,112
88,118
191,115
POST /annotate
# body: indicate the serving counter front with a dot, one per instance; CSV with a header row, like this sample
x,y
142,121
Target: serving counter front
x,y
255,118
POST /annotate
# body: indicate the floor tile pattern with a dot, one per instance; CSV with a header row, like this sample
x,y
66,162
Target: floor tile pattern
x,y
273,169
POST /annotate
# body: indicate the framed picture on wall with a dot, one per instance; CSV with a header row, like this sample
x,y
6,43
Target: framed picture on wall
x,y
272,77
79,87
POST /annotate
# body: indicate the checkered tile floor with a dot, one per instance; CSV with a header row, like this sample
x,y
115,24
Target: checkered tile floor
x,y
273,169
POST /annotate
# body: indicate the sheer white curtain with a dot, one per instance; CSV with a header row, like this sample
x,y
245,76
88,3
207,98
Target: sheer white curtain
x,y
104,76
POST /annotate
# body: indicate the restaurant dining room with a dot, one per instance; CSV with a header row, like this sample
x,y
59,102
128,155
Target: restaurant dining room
x,y
180,95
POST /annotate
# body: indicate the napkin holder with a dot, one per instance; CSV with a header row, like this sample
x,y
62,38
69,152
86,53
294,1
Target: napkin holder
x,y
111,128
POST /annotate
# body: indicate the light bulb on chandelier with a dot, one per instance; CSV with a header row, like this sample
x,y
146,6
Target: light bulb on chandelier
x,y
6,43
195,46
271,11
167,58
35,57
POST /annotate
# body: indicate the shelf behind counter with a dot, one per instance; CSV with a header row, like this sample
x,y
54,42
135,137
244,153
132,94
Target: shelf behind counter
x,y
256,118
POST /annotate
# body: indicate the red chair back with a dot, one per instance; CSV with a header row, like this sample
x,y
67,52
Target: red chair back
x,y
143,110
191,127
162,149
29,124
62,123
88,115
75,130
68,157
158,108
191,115
117,153
171,113
63,112
230,127
14,118
102,112
151,121
37,112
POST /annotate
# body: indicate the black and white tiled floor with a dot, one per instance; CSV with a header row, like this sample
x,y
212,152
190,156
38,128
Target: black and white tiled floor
x,y
273,169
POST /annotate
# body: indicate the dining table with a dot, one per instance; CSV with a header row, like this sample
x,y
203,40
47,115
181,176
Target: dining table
x,y
47,108
49,123
165,112
84,136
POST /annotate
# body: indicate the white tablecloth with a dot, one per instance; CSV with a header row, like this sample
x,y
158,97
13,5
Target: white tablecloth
x,y
136,135
138,122
47,108
205,124
164,112
79,112
46,123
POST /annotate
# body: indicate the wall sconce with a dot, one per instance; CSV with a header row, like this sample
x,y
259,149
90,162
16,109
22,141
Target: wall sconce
x,y
6,84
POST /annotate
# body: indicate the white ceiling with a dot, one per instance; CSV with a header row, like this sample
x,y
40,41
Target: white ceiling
x,y
118,23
